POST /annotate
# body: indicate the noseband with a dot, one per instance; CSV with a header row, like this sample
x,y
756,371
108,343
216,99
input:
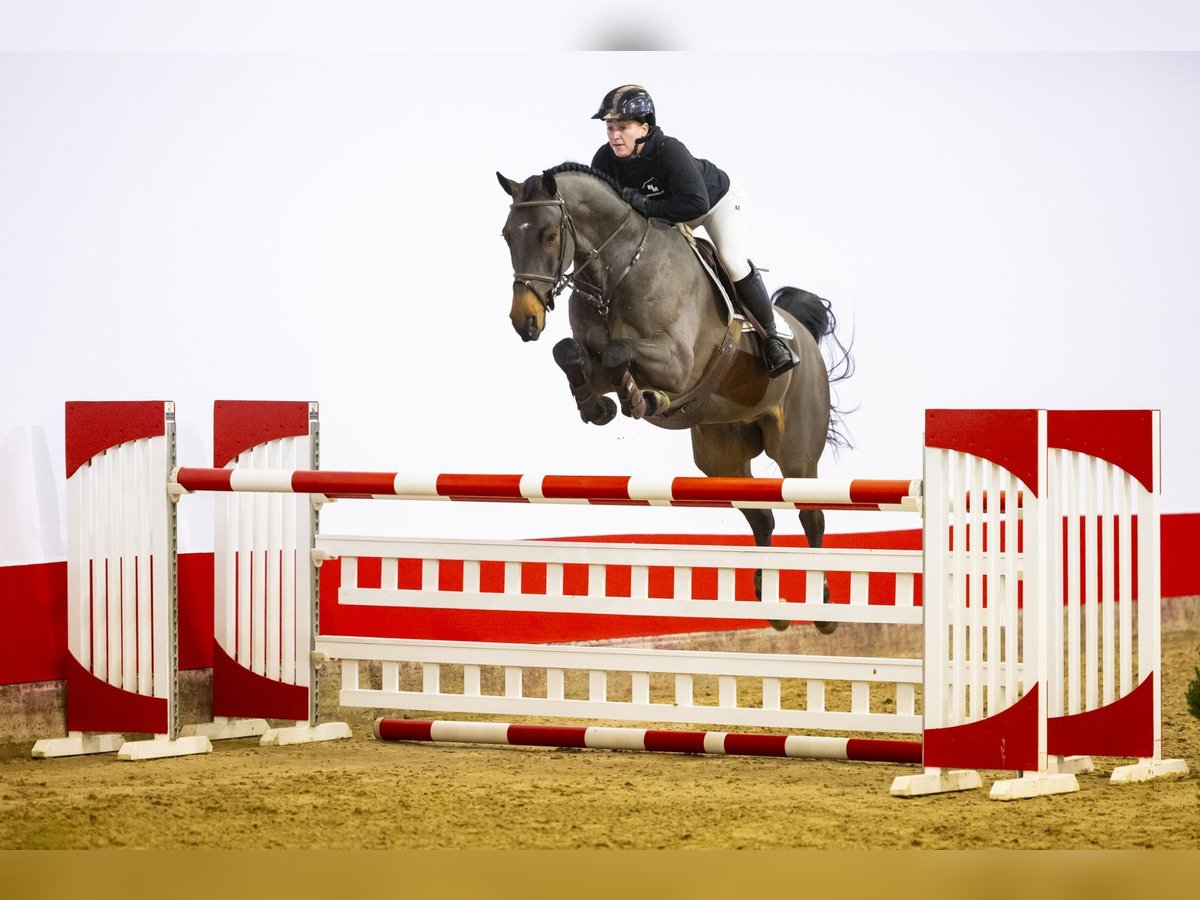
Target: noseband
x,y
562,280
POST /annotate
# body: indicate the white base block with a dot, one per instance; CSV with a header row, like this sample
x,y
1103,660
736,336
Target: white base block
x,y
1034,785
305,734
1146,769
227,730
1076,765
936,783
78,743
160,748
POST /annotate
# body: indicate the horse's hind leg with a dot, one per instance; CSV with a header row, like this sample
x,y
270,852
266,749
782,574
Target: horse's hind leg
x,y
796,451
573,360
726,451
813,523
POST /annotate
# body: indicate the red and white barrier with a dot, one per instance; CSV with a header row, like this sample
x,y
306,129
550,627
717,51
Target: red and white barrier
x,y
1001,649
720,743
597,490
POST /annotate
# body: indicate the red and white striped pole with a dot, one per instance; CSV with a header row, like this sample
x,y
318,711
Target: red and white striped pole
x,y
793,746
600,490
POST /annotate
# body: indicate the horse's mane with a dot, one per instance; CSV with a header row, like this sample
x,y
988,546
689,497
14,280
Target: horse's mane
x,y
585,170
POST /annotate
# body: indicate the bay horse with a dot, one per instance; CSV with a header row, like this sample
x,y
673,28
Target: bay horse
x,y
650,323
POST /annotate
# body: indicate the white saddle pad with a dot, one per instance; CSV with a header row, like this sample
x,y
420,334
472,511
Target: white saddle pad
x,y
781,326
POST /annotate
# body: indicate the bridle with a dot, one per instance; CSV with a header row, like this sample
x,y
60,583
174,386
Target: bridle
x,y
561,280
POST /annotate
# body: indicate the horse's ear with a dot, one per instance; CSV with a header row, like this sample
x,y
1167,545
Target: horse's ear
x,y
549,185
510,186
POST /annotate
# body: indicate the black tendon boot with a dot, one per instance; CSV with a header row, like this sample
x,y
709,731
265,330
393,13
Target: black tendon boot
x,y
752,293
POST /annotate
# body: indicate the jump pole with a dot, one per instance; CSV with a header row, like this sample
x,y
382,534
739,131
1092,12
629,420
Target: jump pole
x,y
791,746
894,495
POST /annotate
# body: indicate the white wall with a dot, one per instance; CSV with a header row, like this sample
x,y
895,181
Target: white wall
x,y
995,229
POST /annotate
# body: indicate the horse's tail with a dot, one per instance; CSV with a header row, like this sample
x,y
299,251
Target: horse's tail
x,y
816,314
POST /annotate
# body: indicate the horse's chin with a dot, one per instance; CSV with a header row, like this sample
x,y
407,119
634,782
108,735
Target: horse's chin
x,y
529,330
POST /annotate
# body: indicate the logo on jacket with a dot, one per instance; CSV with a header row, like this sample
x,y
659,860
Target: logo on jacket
x,y
650,187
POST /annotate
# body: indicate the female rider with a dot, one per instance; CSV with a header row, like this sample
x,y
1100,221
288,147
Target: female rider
x,y
661,179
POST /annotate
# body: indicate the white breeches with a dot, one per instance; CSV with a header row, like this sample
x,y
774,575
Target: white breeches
x,y
728,225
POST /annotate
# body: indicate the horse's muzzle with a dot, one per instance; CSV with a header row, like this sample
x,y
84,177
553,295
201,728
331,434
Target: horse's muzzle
x,y
528,315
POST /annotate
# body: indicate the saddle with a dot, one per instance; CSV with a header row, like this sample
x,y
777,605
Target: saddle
x,y
710,260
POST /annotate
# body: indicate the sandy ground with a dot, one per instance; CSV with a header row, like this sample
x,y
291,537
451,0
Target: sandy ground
x,y
360,793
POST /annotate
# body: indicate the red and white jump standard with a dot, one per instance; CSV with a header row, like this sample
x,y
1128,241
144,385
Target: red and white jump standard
x,y
265,589
122,629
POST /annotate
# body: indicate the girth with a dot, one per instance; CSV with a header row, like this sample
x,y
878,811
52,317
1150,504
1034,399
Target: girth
x,y
687,409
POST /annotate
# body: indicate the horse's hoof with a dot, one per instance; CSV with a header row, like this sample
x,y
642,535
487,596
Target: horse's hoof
x,y
657,402
777,624
826,627
602,413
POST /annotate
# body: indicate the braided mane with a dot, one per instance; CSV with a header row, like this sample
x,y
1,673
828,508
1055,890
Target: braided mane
x,y
586,170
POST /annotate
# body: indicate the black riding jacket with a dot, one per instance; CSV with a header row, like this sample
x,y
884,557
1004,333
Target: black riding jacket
x,y
678,186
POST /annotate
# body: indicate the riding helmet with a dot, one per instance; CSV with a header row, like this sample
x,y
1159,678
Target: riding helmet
x,y
629,101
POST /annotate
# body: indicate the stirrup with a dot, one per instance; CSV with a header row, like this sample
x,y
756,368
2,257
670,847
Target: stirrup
x,y
783,365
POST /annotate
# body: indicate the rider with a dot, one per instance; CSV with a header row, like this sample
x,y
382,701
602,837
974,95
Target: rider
x,y
661,179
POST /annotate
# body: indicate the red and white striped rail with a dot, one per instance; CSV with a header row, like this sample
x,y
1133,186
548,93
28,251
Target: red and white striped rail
x,y
599,490
722,743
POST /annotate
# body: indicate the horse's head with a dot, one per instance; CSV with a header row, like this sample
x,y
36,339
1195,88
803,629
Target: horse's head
x,y
537,236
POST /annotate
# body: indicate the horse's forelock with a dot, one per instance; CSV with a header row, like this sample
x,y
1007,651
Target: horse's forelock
x,y
531,188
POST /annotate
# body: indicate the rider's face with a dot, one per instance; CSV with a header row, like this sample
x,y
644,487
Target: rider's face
x,y
623,135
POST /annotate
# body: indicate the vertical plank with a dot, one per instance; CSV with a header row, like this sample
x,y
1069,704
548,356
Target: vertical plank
x,y
1073,516
555,684
771,693
726,691
683,690
1125,583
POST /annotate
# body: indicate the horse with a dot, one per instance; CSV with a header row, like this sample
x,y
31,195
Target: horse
x,y
650,323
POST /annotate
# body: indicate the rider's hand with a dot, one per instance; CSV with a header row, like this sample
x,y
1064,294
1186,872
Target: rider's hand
x,y
634,198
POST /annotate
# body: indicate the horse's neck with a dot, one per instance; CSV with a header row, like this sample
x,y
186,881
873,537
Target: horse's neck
x,y
597,213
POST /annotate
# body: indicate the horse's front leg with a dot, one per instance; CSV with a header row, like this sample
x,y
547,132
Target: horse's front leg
x,y
572,358
618,357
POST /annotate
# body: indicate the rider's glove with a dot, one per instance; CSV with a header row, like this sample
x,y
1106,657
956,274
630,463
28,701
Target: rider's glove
x,y
634,198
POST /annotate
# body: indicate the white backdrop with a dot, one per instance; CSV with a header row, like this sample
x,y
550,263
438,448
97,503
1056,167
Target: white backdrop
x,y
993,229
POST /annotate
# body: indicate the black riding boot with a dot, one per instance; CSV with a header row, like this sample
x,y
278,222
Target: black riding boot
x,y
752,293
